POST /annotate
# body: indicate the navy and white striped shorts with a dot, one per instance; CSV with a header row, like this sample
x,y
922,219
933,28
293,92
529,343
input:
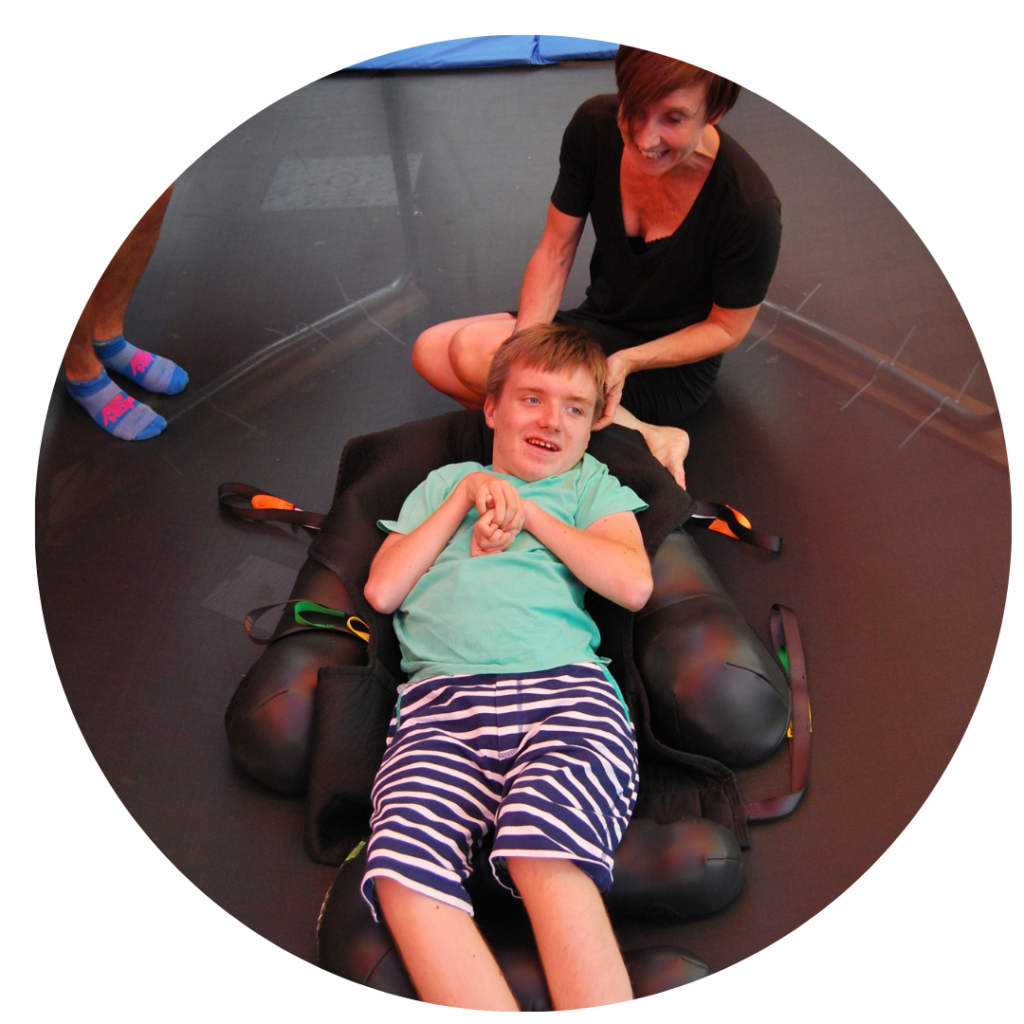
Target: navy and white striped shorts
x,y
548,760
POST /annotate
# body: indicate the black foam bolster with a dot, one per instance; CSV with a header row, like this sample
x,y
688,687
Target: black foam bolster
x,y
351,944
270,718
685,869
353,706
713,687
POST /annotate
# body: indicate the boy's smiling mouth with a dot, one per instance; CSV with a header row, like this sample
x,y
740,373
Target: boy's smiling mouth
x,y
537,442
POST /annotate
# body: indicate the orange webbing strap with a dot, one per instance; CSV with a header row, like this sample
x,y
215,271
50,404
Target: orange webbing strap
x,y
725,519
255,505
786,641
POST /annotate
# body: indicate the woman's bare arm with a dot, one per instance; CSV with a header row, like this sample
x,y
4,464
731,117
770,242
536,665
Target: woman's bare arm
x,y
548,268
721,331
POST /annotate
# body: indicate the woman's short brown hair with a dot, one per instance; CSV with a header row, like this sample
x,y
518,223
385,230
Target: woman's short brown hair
x,y
552,348
644,77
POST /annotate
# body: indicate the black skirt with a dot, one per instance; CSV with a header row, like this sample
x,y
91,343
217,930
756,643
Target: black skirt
x,y
666,397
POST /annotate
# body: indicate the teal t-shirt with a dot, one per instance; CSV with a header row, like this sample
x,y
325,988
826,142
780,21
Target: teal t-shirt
x,y
517,611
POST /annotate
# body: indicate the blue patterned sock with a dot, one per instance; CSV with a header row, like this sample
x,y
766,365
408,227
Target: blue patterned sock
x,y
117,413
154,373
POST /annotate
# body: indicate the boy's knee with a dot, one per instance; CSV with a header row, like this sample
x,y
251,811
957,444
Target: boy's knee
x,y
544,876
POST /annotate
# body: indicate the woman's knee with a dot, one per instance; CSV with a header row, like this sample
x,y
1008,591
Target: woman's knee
x,y
471,350
454,356
461,354
430,351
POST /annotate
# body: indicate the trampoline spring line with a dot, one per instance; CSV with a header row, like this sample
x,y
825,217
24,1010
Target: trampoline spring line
x,y
940,407
376,323
315,329
408,214
958,413
874,376
778,310
237,419
303,333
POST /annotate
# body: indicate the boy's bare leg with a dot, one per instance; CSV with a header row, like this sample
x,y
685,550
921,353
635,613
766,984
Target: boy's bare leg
x,y
454,356
577,946
446,957
103,316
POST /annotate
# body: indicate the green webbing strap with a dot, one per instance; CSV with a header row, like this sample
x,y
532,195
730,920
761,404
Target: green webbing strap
x,y
304,616
789,649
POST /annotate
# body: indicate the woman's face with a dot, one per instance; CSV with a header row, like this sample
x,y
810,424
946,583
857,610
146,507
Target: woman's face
x,y
670,133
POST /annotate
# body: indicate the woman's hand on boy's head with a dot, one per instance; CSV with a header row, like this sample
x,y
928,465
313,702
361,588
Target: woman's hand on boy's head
x,y
618,371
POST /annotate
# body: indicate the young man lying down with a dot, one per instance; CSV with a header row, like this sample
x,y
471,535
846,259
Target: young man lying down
x,y
510,723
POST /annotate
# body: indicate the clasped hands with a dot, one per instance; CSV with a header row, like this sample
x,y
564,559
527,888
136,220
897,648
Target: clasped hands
x,y
502,513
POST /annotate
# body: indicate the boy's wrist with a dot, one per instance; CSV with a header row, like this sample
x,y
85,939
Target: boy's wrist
x,y
530,510
468,486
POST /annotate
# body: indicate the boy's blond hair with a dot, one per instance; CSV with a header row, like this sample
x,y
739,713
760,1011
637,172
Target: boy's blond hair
x,y
552,348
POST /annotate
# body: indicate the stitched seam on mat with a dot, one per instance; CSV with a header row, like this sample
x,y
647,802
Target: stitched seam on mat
x,y
383,957
273,696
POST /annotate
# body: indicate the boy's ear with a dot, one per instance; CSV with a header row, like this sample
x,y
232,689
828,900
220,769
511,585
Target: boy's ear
x,y
489,405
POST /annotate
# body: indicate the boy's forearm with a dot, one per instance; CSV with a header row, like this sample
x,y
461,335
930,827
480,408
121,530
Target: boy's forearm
x,y
397,568
617,569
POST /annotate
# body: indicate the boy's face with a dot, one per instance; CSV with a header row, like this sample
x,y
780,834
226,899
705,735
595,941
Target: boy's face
x,y
541,422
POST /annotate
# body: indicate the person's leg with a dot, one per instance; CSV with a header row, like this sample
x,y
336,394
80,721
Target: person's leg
x,y
98,342
581,958
109,304
85,363
80,361
446,957
88,384
568,798
669,445
454,356
434,798
113,292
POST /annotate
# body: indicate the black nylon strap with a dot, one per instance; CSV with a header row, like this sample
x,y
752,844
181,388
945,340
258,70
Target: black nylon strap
x,y
785,635
237,499
723,519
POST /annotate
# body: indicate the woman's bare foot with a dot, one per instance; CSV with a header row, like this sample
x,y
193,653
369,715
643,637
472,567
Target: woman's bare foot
x,y
669,445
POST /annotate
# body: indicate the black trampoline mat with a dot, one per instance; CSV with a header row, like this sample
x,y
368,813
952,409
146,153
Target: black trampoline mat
x,y
896,551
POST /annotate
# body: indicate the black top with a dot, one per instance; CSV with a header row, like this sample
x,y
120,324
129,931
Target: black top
x,y
724,252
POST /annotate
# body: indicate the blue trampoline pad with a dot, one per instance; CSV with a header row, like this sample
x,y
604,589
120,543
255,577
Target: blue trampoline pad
x,y
491,52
